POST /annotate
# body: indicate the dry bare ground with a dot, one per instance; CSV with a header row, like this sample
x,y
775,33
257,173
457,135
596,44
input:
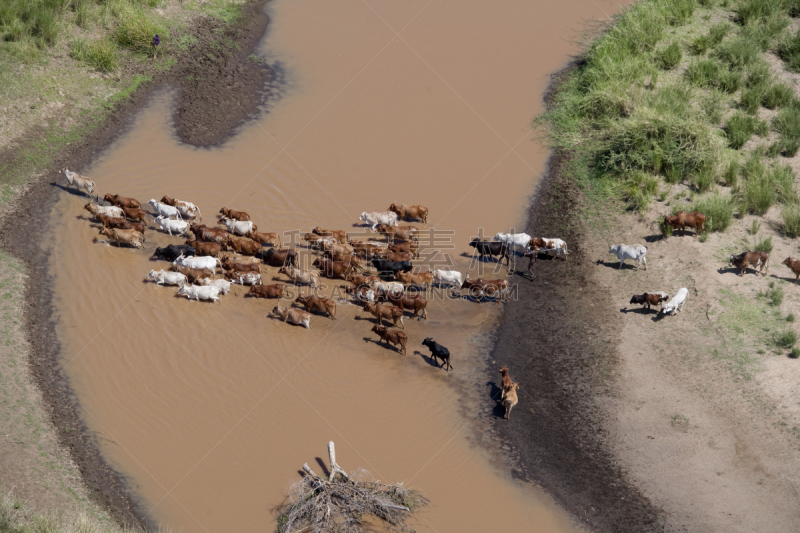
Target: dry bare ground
x,y
705,417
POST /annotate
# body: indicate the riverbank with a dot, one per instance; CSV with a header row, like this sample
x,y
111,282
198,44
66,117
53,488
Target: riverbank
x,y
217,63
636,422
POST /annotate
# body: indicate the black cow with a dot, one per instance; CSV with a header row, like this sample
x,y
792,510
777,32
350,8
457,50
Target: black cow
x,y
491,248
278,257
387,270
438,352
172,252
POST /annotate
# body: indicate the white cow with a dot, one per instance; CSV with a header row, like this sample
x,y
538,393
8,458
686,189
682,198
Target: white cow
x,y
223,285
80,182
449,277
373,219
107,210
245,278
187,209
554,247
164,277
203,261
167,224
165,210
518,241
677,302
196,292
633,251
239,227
386,287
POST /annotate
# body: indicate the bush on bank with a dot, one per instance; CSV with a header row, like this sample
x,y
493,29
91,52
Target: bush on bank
x,y
673,91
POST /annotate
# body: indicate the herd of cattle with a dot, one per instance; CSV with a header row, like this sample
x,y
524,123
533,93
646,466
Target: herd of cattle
x,y
238,249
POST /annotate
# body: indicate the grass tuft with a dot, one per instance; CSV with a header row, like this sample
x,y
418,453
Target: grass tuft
x,y
718,211
795,353
790,216
779,95
101,54
739,129
765,245
136,30
786,339
670,57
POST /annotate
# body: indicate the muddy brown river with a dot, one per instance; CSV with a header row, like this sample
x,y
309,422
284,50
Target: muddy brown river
x,y
211,409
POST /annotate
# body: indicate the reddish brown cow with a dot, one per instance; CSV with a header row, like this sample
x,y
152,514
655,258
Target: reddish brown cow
x,y
278,257
265,237
393,233
423,279
339,234
243,246
410,247
758,260
121,201
135,213
419,212
794,265
385,311
316,304
491,287
267,291
410,303
337,255
120,223
205,248
391,336
367,250
236,215
681,221
235,266
360,279
206,234
336,269
192,274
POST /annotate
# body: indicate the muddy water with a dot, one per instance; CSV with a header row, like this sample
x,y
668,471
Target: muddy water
x,y
211,409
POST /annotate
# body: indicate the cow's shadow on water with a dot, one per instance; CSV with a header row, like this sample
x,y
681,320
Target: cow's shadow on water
x,y
498,411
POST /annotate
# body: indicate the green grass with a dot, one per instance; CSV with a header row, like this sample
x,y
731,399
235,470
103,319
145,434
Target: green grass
x,y
136,30
740,128
718,211
786,339
795,353
789,52
790,218
779,95
765,245
100,54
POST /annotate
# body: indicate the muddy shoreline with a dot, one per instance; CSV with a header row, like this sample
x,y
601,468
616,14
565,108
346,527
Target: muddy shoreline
x,y
217,94
559,339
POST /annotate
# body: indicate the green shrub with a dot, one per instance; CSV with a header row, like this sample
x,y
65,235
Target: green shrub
x,y
750,99
712,103
758,75
790,147
718,32
786,340
100,54
34,21
666,229
758,195
136,30
795,353
738,53
670,57
782,177
752,11
765,245
778,95
789,51
731,174
791,221
700,45
730,81
718,211
703,180
739,129
790,317
787,123
637,199
704,73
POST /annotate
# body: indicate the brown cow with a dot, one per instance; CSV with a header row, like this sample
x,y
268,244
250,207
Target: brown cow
x,y
794,265
243,259
360,279
265,237
278,257
205,248
423,279
681,220
120,223
235,266
124,236
393,233
410,303
267,291
121,201
490,287
411,247
135,213
318,242
506,384
316,304
758,260
367,250
335,269
339,234
391,336
243,246
342,256
395,256
419,212
192,274
202,232
649,298
236,215
385,311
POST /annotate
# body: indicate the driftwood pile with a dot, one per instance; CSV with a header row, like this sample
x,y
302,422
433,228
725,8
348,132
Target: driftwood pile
x,y
341,503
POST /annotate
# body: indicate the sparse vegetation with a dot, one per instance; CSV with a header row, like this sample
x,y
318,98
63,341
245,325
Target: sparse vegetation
x,y
786,339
